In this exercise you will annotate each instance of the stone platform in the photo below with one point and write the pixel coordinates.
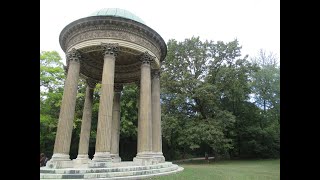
(120, 170)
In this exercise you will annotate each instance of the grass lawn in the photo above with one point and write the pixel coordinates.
(228, 170)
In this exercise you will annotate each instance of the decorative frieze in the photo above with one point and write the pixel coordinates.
(126, 36)
(105, 27)
(90, 49)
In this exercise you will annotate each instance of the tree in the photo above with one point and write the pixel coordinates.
(206, 102)
(230, 75)
(266, 84)
(51, 90)
(129, 122)
(51, 71)
(265, 139)
(196, 77)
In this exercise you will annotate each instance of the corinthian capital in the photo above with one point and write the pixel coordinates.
(118, 87)
(91, 83)
(155, 74)
(146, 58)
(73, 55)
(110, 48)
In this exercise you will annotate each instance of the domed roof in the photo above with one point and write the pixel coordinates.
(117, 13)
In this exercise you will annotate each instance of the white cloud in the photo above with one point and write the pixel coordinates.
(255, 23)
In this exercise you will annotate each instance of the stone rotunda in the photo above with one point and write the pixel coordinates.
(113, 47)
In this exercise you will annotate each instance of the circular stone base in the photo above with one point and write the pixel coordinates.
(121, 170)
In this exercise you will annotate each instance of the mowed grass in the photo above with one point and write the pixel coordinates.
(228, 170)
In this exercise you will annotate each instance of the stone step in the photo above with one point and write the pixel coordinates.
(134, 177)
(103, 170)
(130, 173)
(108, 175)
(113, 173)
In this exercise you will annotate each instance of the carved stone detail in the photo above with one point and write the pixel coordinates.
(127, 70)
(100, 48)
(127, 36)
(110, 48)
(73, 55)
(155, 74)
(118, 87)
(91, 83)
(146, 58)
(104, 27)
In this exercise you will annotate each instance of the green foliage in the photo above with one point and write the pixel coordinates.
(129, 112)
(195, 76)
(207, 93)
(266, 94)
(51, 71)
(206, 90)
(266, 84)
(51, 90)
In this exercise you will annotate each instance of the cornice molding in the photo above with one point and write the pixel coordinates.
(96, 27)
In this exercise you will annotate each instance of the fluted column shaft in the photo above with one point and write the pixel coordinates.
(145, 121)
(156, 114)
(103, 138)
(86, 123)
(156, 118)
(66, 116)
(138, 105)
(115, 132)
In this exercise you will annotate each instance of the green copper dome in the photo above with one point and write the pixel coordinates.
(118, 13)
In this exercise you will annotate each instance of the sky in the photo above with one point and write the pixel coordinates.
(255, 23)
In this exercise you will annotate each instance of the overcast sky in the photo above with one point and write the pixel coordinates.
(255, 23)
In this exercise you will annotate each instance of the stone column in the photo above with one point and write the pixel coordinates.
(156, 118)
(103, 139)
(115, 131)
(145, 155)
(83, 156)
(60, 157)
(138, 107)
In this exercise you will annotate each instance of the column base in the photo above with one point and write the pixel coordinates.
(144, 158)
(82, 159)
(102, 157)
(100, 160)
(59, 161)
(158, 157)
(115, 158)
